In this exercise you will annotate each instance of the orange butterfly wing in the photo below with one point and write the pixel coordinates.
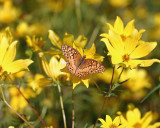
(89, 66)
(72, 56)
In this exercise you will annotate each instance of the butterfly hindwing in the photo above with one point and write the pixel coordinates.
(89, 66)
(72, 56)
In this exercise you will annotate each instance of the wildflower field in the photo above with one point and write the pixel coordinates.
(79, 64)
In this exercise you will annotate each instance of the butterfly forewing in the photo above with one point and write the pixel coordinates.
(89, 66)
(72, 56)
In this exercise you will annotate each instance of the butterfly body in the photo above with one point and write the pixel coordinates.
(78, 65)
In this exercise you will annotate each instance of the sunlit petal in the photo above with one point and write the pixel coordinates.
(10, 54)
(17, 65)
(129, 28)
(118, 26)
(143, 49)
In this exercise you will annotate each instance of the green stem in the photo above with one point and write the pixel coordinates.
(110, 85)
(62, 107)
(3, 97)
(73, 112)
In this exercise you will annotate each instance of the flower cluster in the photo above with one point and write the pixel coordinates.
(126, 47)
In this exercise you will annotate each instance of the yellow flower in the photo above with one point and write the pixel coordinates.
(90, 53)
(108, 123)
(35, 43)
(127, 50)
(53, 68)
(124, 32)
(17, 100)
(8, 13)
(134, 119)
(119, 3)
(7, 55)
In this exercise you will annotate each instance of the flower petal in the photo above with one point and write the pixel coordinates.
(143, 49)
(55, 40)
(116, 42)
(116, 121)
(81, 41)
(142, 63)
(147, 119)
(130, 45)
(129, 28)
(75, 83)
(115, 55)
(54, 67)
(17, 65)
(68, 39)
(3, 47)
(118, 26)
(46, 67)
(86, 82)
(90, 52)
(10, 54)
(108, 120)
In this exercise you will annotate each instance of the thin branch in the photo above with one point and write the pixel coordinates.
(100, 112)
(73, 112)
(62, 107)
(18, 88)
(3, 97)
(98, 87)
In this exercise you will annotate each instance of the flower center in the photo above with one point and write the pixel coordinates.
(137, 125)
(113, 126)
(123, 37)
(126, 57)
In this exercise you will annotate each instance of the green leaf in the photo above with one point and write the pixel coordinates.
(152, 91)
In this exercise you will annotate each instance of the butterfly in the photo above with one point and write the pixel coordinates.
(78, 65)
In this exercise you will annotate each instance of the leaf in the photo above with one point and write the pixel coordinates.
(152, 91)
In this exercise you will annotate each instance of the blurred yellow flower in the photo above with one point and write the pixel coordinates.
(94, 1)
(125, 48)
(7, 55)
(53, 68)
(57, 5)
(134, 119)
(17, 100)
(157, 19)
(68, 39)
(138, 79)
(35, 43)
(8, 13)
(11, 127)
(141, 12)
(23, 29)
(119, 3)
(108, 123)
(37, 82)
